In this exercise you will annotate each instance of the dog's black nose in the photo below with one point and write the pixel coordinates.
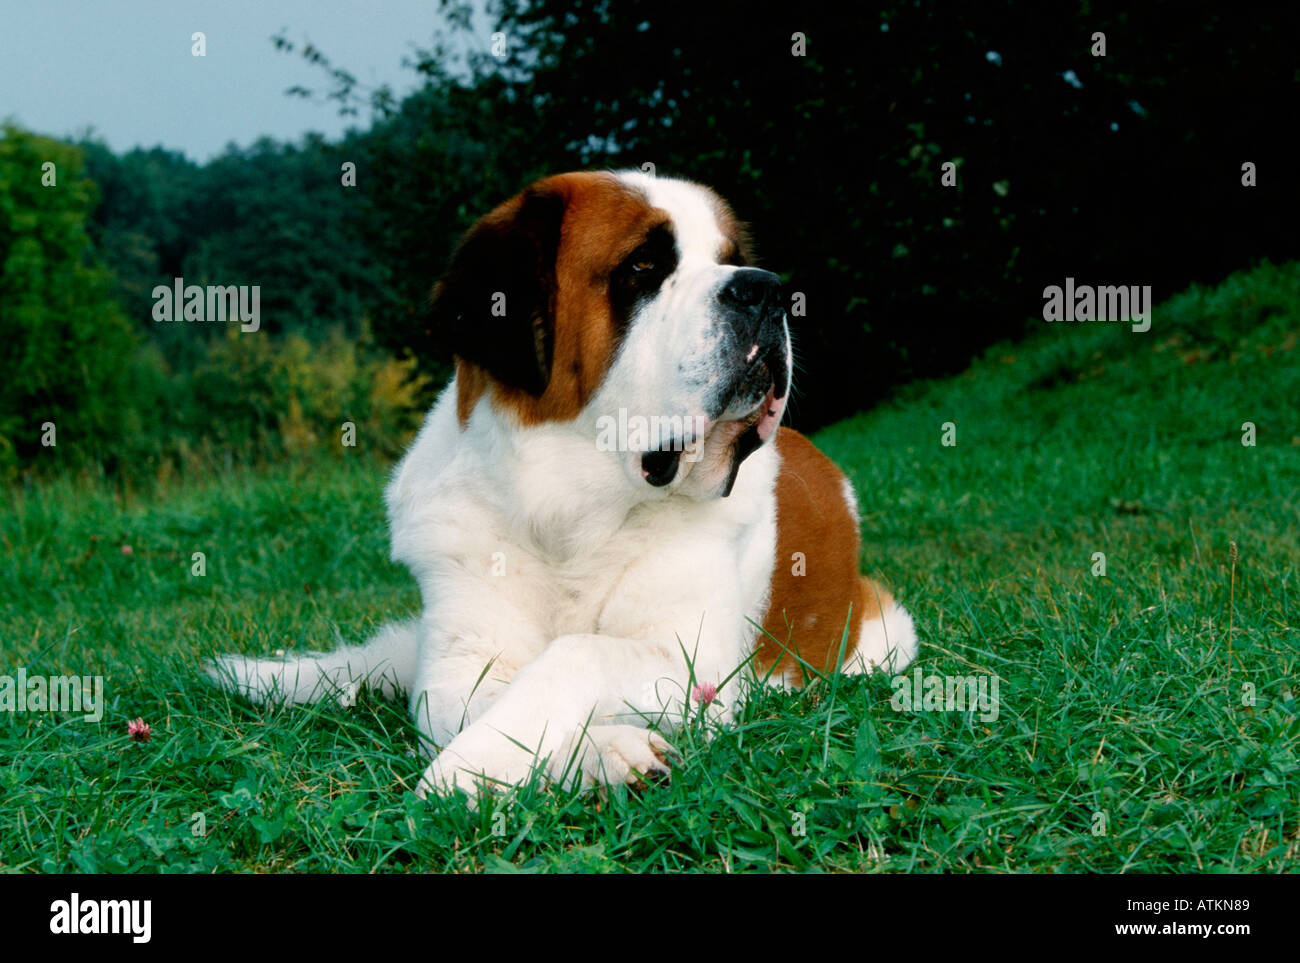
(750, 288)
(660, 467)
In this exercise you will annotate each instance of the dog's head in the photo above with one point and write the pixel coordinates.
(623, 304)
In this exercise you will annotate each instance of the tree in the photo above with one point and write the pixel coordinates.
(69, 351)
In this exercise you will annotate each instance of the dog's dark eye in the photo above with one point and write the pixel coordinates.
(644, 260)
(641, 273)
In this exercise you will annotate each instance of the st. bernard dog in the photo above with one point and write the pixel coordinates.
(601, 509)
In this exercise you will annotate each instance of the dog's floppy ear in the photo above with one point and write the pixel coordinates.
(495, 307)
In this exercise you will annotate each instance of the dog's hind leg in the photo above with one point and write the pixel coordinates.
(887, 639)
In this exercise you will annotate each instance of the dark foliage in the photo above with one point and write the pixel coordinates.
(1116, 169)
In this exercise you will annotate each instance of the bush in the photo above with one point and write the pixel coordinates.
(260, 397)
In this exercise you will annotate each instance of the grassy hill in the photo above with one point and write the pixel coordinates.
(1126, 738)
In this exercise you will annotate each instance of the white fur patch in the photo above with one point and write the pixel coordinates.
(851, 499)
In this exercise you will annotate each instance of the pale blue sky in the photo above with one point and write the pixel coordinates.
(124, 67)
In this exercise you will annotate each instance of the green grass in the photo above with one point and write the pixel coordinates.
(1117, 694)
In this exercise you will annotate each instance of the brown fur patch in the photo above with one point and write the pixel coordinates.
(604, 221)
(807, 612)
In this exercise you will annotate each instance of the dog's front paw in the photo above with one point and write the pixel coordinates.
(476, 761)
(443, 777)
(450, 772)
(614, 755)
(480, 760)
